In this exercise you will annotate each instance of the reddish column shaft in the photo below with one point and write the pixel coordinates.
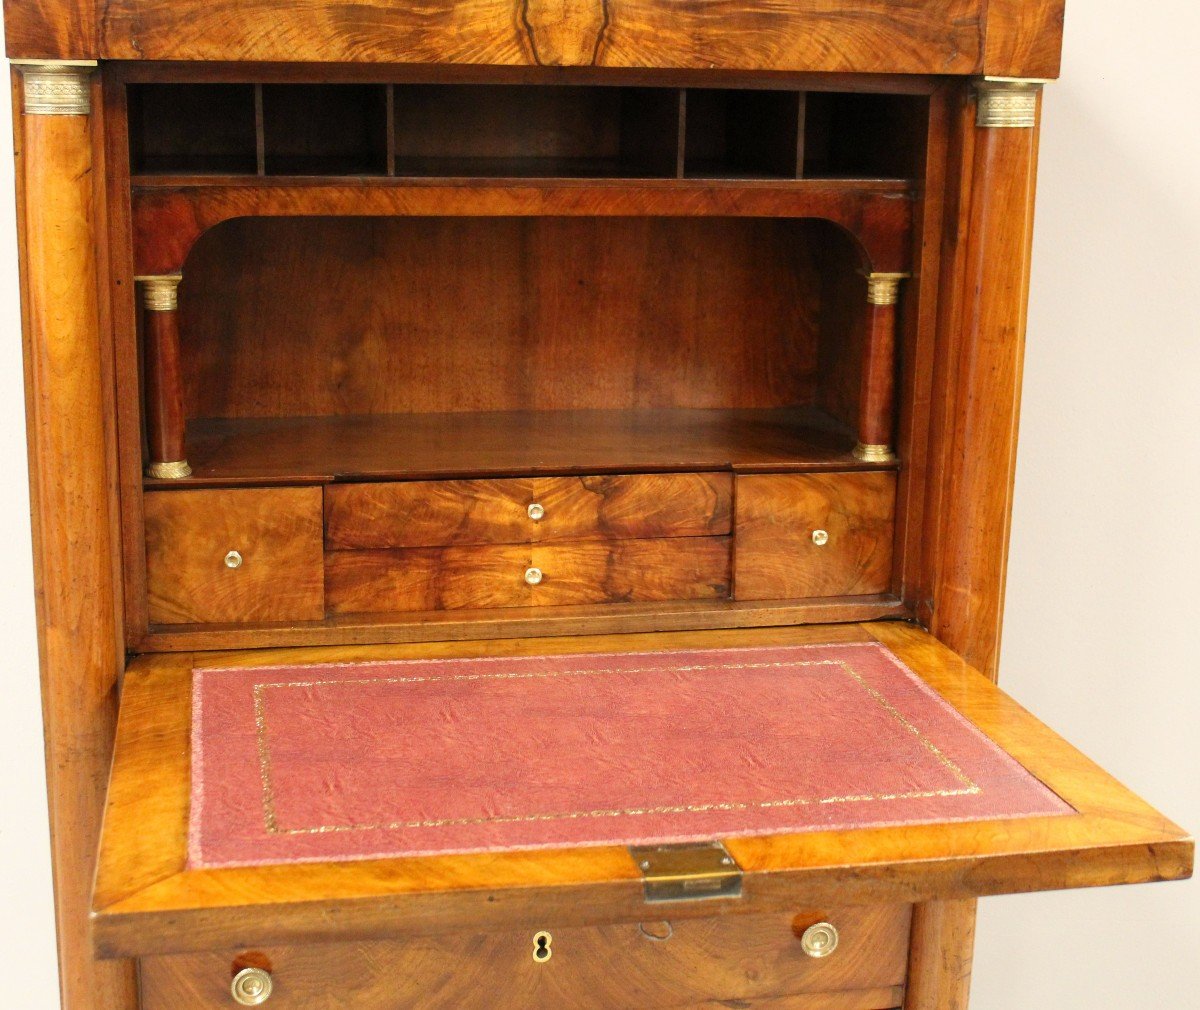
(164, 387)
(877, 394)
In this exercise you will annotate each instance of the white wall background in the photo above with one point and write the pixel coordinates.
(1103, 627)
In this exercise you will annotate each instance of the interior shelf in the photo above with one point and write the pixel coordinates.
(228, 451)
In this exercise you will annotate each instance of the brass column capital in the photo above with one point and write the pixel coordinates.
(160, 292)
(883, 289)
(1007, 102)
(57, 87)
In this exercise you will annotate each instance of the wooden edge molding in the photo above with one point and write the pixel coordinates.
(168, 221)
(527, 622)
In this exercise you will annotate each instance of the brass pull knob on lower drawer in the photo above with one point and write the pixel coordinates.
(819, 940)
(251, 987)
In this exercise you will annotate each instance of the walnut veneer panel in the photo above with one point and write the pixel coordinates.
(934, 36)
(440, 513)
(777, 556)
(317, 317)
(277, 534)
(621, 967)
(453, 578)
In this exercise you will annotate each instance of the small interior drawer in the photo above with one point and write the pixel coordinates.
(234, 556)
(631, 966)
(526, 510)
(453, 578)
(826, 534)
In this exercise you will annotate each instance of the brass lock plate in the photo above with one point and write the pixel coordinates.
(692, 871)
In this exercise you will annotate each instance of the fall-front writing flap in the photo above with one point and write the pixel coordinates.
(326, 793)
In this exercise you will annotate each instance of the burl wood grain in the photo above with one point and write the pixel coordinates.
(870, 36)
(454, 578)
(148, 902)
(622, 967)
(277, 533)
(73, 511)
(461, 512)
(776, 557)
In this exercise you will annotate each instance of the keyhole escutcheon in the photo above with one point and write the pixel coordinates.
(541, 947)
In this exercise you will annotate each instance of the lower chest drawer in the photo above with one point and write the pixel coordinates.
(751, 961)
(451, 578)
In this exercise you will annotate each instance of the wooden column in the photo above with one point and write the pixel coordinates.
(939, 964)
(982, 347)
(877, 393)
(165, 421)
(73, 500)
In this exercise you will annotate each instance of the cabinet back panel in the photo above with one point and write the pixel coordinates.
(320, 316)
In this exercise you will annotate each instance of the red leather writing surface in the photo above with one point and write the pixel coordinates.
(358, 761)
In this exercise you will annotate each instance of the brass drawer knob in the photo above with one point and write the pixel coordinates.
(536, 512)
(533, 576)
(233, 559)
(820, 939)
(820, 538)
(251, 987)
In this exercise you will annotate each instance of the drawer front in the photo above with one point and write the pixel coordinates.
(454, 578)
(801, 535)
(234, 556)
(688, 963)
(526, 510)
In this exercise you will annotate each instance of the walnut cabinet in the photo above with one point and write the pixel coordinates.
(361, 332)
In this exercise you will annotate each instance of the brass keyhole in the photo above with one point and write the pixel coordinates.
(541, 947)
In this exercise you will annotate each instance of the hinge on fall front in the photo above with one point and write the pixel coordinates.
(688, 872)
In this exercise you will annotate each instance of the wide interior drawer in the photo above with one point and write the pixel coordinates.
(469, 787)
(527, 510)
(629, 966)
(452, 578)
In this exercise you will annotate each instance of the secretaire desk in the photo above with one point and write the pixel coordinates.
(520, 500)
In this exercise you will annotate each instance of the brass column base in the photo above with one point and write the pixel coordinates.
(176, 470)
(874, 453)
